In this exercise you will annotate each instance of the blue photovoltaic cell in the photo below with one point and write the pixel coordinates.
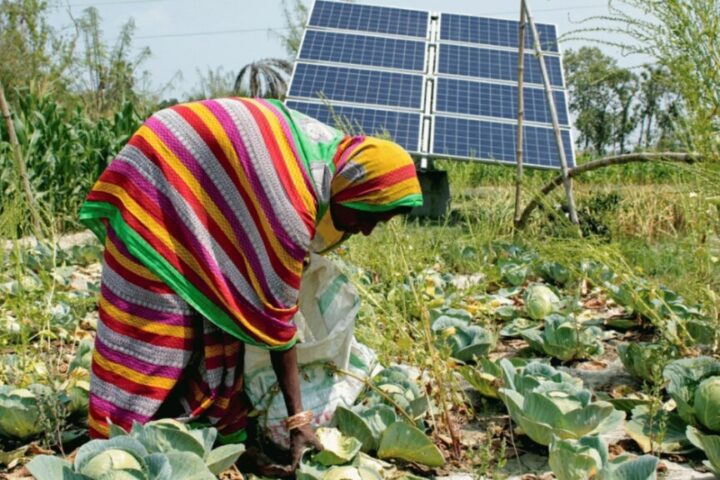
(403, 127)
(371, 60)
(367, 18)
(493, 31)
(489, 141)
(494, 64)
(363, 50)
(357, 85)
(496, 100)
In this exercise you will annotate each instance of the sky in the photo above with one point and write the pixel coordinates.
(185, 36)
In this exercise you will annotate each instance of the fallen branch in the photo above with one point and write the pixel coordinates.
(600, 163)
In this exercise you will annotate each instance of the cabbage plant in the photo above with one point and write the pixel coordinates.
(77, 385)
(341, 460)
(553, 272)
(565, 339)
(77, 391)
(658, 431)
(679, 323)
(365, 424)
(395, 383)
(694, 384)
(645, 361)
(545, 403)
(22, 411)
(513, 272)
(710, 444)
(379, 428)
(337, 448)
(160, 450)
(588, 458)
(466, 342)
(486, 376)
(540, 301)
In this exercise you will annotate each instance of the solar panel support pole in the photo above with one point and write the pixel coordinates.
(521, 115)
(567, 182)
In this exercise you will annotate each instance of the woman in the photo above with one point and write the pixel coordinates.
(207, 215)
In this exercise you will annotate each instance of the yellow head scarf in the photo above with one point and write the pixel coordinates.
(372, 175)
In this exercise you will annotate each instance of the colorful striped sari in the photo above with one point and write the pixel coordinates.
(154, 354)
(207, 215)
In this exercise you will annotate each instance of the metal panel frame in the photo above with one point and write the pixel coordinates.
(365, 68)
(458, 42)
(312, 8)
(363, 34)
(437, 73)
(493, 161)
(493, 82)
(432, 75)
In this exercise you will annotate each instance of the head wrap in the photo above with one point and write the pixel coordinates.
(371, 175)
(375, 175)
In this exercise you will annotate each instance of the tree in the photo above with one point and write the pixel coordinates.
(30, 50)
(586, 71)
(624, 84)
(108, 76)
(658, 105)
(264, 78)
(602, 96)
(680, 36)
(296, 17)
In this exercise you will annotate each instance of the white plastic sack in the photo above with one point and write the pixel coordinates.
(328, 306)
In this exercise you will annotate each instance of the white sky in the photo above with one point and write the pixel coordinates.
(187, 35)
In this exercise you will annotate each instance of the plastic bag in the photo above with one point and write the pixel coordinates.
(328, 306)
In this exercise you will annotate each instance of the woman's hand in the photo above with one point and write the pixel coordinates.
(285, 365)
(300, 439)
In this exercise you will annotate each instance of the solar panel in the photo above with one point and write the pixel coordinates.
(495, 64)
(367, 18)
(441, 85)
(355, 85)
(496, 100)
(364, 50)
(480, 139)
(493, 31)
(405, 126)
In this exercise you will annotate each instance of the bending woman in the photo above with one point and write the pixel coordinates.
(207, 215)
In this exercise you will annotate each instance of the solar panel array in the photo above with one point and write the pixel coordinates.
(442, 86)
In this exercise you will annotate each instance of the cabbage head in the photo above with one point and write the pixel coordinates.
(110, 460)
(563, 339)
(645, 361)
(588, 458)
(20, 411)
(540, 301)
(685, 378)
(707, 403)
(545, 408)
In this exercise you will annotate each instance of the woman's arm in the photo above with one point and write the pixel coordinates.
(286, 369)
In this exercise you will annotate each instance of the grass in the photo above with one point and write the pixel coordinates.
(665, 232)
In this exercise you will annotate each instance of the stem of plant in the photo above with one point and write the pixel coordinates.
(436, 361)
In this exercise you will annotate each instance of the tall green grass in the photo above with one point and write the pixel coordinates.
(65, 151)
